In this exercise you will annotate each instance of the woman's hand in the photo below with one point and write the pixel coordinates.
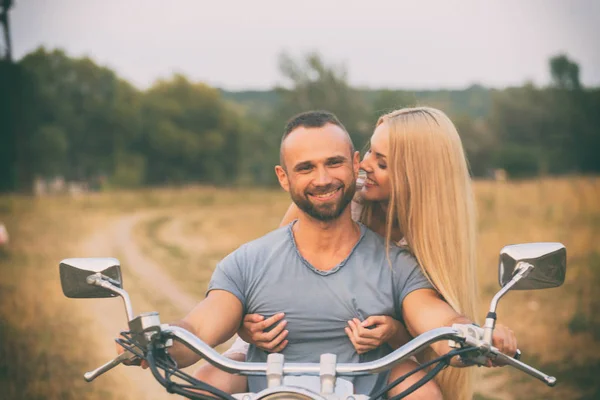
(253, 330)
(503, 339)
(375, 331)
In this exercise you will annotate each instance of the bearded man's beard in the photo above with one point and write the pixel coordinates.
(324, 211)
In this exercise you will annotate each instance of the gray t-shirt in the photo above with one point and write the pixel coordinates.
(269, 275)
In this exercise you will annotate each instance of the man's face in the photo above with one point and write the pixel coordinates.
(320, 171)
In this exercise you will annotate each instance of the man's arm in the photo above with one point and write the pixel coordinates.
(214, 320)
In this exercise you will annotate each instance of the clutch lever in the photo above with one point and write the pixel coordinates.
(126, 357)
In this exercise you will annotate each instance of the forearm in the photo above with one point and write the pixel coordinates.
(181, 353)
(442, 347)
(400, 338)
(214, 320)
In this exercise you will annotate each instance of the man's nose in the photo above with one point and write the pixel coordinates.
(323, 177)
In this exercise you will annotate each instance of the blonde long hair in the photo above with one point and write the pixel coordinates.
(431, 203)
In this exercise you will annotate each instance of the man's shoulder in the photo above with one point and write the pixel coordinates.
(265, 243)
(397, 254)
(375, 240)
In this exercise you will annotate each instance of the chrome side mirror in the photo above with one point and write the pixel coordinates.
(75, 277)
(523, 267)
(92, 278)
(548, 263)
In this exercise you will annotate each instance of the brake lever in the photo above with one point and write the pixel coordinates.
(126, 357)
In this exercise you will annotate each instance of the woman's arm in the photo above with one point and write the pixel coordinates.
(291, 214)
(375, 331)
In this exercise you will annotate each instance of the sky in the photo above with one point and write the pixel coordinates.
(425, 44)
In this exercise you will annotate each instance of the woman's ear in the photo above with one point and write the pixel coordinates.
(282, 178)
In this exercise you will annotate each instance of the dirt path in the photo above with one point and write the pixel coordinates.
(173, 233)
(148, 275)
(149, 286)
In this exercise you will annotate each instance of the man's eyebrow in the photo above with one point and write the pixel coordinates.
(337, 159)
(328, 160)
(302, 165)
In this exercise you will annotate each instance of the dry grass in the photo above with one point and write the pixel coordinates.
(41, 330)
(189, 230)
(191, 240)
(558, 329)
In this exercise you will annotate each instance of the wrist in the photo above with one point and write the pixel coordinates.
(397, 337)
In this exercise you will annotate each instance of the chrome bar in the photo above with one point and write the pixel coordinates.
(348, 369)
(523, 270)
(192, 342)
(98, 280)
(125, 296)
(396, 357)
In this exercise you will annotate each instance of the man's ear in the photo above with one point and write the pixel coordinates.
(282, 178)
(356, 162)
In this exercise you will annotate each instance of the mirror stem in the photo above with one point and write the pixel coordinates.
(521, 271)
(99, 280)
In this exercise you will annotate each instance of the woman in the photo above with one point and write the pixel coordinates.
(417, 193)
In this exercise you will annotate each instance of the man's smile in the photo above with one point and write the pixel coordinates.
(326, 196)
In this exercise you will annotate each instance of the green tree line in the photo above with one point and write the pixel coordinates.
(65, 116)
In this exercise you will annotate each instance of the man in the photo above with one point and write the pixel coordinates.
(322, 271)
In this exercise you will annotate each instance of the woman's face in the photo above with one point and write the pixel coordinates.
(375, 164)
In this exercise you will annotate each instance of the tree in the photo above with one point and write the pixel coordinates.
(575, 114)
(478, 143)
(90, 107)
(565, 73)
(387, 100)
(314, 85)
(189, 134)
(520, 120)
(555, 128)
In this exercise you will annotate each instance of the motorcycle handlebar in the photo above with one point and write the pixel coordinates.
(344, 369)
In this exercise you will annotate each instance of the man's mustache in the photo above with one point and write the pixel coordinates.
(324, 189)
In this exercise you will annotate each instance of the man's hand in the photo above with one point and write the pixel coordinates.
(136, 361)
(254, 330)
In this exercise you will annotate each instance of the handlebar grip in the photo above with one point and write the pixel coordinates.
(91, 375)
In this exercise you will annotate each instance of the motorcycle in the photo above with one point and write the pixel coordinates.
(521, 267)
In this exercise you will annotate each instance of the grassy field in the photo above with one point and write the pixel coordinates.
(186, 231)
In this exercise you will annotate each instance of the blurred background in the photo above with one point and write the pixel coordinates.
(148, 131)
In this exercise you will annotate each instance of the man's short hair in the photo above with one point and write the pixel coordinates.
(311, 119)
